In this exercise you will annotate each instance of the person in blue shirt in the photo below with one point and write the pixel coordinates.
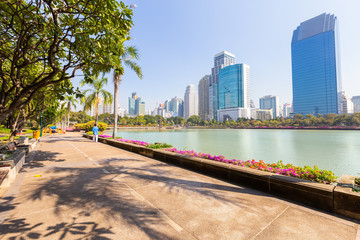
(95, 133)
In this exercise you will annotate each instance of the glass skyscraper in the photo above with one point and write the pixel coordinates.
(234, 87)
(316, 74)
(221, 60)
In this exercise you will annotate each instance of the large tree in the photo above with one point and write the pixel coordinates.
(127, 57)
(96, 94)
(70, 100)
(45, 42)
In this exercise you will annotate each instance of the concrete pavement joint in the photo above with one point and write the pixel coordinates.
(267, 225)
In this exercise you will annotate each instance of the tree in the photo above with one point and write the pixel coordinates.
(70, 100)
(95, 94)
(194, 119)
(43, 43)
(126, 56)
(80, 117)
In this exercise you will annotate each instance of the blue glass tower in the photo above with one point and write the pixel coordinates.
(316, 67)
(234, 88)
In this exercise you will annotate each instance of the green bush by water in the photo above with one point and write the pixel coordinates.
(159, 145)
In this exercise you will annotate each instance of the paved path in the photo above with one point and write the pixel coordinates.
(76, 189)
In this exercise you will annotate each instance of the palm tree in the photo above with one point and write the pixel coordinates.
(70, 100)
(96, 93)
(126, 58)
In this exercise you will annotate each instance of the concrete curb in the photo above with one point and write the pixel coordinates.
(330, 198)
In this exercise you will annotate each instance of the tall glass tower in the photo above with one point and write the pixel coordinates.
(316, 74)
(234, 87)
(221, 60)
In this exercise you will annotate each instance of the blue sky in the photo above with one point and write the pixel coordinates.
(178, 39)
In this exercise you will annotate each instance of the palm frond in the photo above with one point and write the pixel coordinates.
(135, 67)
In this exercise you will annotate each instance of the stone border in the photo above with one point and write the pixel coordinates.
(13, 164)
(330, 198)
(15, 161)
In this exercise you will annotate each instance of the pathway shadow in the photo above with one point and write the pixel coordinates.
(21, 229)
(38, 158)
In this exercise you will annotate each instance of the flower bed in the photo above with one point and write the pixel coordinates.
(307, 173)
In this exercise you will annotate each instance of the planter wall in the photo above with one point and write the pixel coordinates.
(12, 164)
(322, 196)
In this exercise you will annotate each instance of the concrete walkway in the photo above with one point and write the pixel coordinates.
(76, 189)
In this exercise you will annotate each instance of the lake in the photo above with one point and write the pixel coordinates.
(338, 151)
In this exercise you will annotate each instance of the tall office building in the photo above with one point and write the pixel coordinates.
(131, 106)
(271, 102)
(316, 74)
(287, 110)
(221, 60)
(136, 106)
(190, 101)
(234, 92)
(203, 90)
(176, 106)
(347, 106)
(356, 102)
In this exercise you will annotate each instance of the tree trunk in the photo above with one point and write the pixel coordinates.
(117, 80)
(96, 109)
(68, 116)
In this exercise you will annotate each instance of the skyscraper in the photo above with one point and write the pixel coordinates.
(234, 92)
(221, 60)
(270, 102)
(316, 74)
(136, 106)
(203, 90)
(356, 102)
(190, 101)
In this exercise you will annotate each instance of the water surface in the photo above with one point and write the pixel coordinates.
(338, 151)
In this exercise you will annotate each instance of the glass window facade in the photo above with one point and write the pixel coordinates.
(315, 67)
(231, 87)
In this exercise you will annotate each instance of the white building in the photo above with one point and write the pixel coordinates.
(347, 106)
(233, 113)
(261, 114)
(287, 109)
(271, 102)
(356, 102)
(190, 102)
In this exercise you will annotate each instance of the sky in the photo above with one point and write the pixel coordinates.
(177, 41)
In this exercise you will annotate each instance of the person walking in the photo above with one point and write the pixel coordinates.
(95, 133)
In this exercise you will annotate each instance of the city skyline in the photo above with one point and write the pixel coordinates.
(263, 48)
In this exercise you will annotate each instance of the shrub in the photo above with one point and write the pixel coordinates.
(159, 145)
(80, 126)
(89, 126)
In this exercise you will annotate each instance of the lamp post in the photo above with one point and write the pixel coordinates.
(41, 125)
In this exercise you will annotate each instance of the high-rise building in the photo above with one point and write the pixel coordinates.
(356, 102)
(287, 110)
(347, 106)
(203, 89)
(252, 104)
(221, 60)
(176, 106)
(270, 102)
(234, 91)
(190, 101)
(131, 106)
(316, 74)
(136, 106)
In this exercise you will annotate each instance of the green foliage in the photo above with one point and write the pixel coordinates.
(89, 133)
(80, 126)
(106, 118)
(194, 119)
(89, 126)
(44, 43)
(80, 117)
(159, 145)
(4, 130)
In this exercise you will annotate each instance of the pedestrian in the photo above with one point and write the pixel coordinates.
(53, 130)
(95, 133)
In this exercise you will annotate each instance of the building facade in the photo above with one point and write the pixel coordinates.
(270, 102)
(347, 106)
(221, 60)
(203, 93)
(287, 110)
(234, 88)
(190, 102)
(316, 74)
(356, 101)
